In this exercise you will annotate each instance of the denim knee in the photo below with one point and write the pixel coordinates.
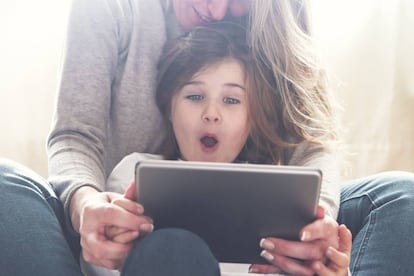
(388, 193)
(171, 252)
(30, 213)
(381, 188)
(12, 172)
(378, 210)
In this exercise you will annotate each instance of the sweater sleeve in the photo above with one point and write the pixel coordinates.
(77, 143)
(324, 158)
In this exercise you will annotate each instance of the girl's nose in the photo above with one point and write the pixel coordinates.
(211, 118)
(211, 114)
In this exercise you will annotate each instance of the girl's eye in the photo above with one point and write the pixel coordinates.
(195, 97)
(231, 101)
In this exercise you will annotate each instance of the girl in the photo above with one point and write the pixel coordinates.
(213, 112)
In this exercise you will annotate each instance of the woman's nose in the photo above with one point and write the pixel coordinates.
(218, 8)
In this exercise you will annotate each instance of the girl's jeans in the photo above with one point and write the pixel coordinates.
(379, 210)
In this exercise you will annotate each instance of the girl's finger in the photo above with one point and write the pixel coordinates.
(341, 258)
(126, 237)
(320, 213)
(323, 270)
(337, 259)
(130, 192)
(129, 205)
(264, 269)
(112, 231)
(345, 239)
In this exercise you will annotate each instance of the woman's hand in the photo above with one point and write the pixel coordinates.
(91, 213)
(297, 257)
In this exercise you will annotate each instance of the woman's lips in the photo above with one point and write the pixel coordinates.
(202, 19)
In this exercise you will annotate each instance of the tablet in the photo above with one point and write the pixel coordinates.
(231, 206)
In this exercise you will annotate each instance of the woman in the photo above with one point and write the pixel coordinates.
(106, 110)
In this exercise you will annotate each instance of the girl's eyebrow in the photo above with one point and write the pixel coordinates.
(235, 85)
(230, 84)
(194, 83)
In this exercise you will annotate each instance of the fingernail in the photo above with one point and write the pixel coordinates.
(146, 227)
(253, 270)
(305, 236)
(266, 244)
(266, 255)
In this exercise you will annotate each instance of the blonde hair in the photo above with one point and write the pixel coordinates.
(291, 84)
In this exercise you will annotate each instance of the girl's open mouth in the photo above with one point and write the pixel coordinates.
(208, 141)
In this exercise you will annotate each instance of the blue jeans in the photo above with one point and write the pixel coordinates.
(378, 209)
(171, 252)
(33, 242)
(31, 237)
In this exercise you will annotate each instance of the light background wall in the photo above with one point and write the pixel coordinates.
(31, 36)
(367, 46)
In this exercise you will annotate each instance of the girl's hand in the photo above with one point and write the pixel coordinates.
(338, 260)
(124, 235)
(92, 212)
(297, 257)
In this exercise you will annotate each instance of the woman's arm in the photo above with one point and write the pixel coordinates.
(77, 143)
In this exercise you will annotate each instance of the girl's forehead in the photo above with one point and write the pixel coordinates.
(212, 66)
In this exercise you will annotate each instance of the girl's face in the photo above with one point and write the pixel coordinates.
(209, 114)
(191, 13)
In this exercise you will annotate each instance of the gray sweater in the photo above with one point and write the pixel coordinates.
(106, 107)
